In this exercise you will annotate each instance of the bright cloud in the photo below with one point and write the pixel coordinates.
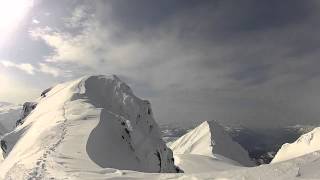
(49, 70)
(13, 90)
(28, 68)
(34, 21)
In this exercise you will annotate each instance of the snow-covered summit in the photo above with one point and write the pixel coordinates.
(307, 143)
(210, 139)
(82, 126)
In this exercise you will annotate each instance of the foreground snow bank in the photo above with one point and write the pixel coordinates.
(194, 163)
(210, 139)
(85, 125)
(307, 143)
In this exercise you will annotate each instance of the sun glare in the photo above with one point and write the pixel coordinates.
(11, 14)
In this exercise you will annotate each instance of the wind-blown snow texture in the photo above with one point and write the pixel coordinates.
(210, 139)
(85, 125)
(307, 143)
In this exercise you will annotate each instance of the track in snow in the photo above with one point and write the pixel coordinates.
(40, 169)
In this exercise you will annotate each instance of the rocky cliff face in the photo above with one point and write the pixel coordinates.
(27, 108)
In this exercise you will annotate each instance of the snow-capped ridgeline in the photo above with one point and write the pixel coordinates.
(211, 140)
(83, 126)
(9, 114)
(96, 128)
(307, 143)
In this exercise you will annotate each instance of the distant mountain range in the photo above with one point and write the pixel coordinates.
(95, 127)
(261, 144)
(9, 114)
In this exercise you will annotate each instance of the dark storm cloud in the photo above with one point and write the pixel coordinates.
(246, 62)
(223, 16)
(255, 74)
(256, 33)
(251, 15)
(143, 13)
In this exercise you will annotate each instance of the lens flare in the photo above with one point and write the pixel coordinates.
(12, 12)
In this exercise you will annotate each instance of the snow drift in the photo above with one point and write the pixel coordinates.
(307, 143)
(82, 126)
(210, 139)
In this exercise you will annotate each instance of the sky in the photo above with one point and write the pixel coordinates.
(250, 63)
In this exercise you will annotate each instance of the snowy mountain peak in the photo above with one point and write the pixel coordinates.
(210, 139)
(96, 128)
(86, 125)
(306, 144)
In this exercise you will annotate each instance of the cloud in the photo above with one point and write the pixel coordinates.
(28, 68)
(71, 48)
(44, 68)
(14, 90)
(35, 21)
(78, 17)
(243, 62)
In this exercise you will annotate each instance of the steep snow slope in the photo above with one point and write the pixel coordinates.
(307, 143)
(210, 139)
(83, 126)
(9, 114)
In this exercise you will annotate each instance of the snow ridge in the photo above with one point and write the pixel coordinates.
(307, 143)
(210, 139)
(83, 126)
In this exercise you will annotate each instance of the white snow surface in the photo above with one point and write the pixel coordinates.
(194, 163)
(9, 114)
(86, 125)
(76, 130)
(211, 140)
(307, 143)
